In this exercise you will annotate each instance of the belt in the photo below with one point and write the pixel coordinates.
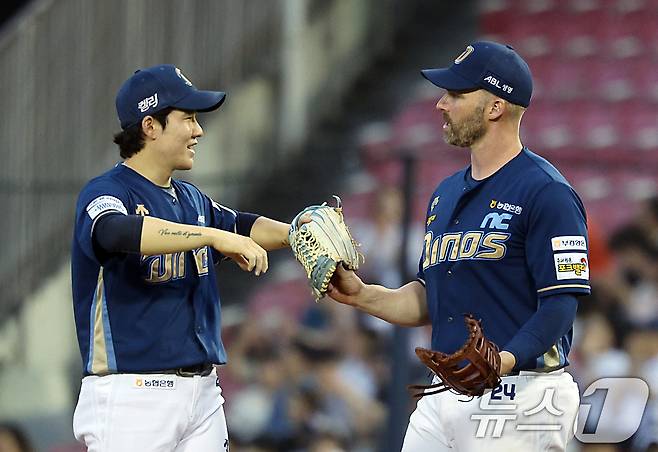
(535, 372)
(201, 370)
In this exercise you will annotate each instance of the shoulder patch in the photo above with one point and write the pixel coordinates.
(569, 242)
(103, 204)
(571, 266)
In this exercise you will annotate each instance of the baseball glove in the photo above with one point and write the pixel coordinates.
(471, 370)
(322, 243)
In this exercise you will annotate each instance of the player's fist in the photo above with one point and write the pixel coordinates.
(345, 286)
(249, 255)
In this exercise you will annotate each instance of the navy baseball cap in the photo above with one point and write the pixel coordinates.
(156, 88)
(494, 67)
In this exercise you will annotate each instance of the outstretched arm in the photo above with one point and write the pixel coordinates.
(149, 235)
(405, 306)
(270, 234)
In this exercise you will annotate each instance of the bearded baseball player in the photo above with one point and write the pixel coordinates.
(146, 304)
(505, 241)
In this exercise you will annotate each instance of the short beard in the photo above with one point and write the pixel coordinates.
(468, 131)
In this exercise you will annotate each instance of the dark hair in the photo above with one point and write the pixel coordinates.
(131, 140)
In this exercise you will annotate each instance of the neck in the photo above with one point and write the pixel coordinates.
(493, 151)
(150, 168)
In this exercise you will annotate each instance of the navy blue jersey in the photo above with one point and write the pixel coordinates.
(136, 313)
(495, 247)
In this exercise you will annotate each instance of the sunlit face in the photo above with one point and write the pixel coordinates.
(463, 114)
(176, 142)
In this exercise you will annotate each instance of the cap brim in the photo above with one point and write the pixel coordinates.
(201, 101)
(447, 79)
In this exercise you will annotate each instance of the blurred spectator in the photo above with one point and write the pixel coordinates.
(380, 240)
(637, 287)
(648, 219)
(326, 443)
(14, 439)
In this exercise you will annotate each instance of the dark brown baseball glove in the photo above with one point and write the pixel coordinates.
(471, 370)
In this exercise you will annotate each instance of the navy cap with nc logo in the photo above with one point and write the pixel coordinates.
(155, 88)
(488, 65)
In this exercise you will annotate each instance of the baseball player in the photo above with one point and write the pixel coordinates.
(505, 240)
(146, 305)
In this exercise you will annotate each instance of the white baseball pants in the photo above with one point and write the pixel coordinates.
(154, 412)
(528, 412)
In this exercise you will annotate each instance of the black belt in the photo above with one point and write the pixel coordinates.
(201, 370)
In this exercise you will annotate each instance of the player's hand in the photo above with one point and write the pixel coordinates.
(306, 218)
(249, 255)
(507, 362)
(345, 286)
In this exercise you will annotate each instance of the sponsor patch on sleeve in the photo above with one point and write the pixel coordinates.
(571, 266)
(105, 203)
(569, 242)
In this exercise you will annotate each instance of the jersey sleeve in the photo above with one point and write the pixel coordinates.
(557, 243)
(222, 217)
(98, 198)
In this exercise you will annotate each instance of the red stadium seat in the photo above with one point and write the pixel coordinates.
(559, 79)
(611, 81)
(546, 127)
(639, 123)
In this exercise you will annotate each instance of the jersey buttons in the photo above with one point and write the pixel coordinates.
(449, 272)
(456, 221)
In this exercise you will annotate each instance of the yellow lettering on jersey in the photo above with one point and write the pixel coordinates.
(430, 219)
(435, 251)
(165, 267)
(469, 244)
(141, 210)
(201, 259)
(456, 246)
(496, 250)
(493, 204)
(179, 270)
(552, 357)
(451, 241)
(428, 245)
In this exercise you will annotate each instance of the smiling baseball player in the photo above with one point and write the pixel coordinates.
(506, 241)
(146, 305)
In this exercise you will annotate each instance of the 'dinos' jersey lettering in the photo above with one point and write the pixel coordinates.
(495, 247)
(137, 313)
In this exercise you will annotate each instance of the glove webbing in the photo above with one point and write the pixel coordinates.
(479, 374)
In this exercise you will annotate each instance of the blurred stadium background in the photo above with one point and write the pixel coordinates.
(324, 97)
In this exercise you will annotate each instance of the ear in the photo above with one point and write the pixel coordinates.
(150, 127)
(496, 108)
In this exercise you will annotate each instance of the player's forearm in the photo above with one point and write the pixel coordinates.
(554, 317)
(162, 236)
(270, 234)
(405, 306)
